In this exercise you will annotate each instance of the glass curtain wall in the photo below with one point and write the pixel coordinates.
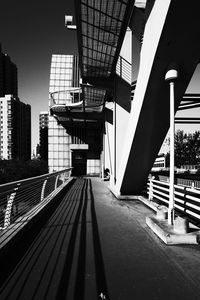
(62, 77)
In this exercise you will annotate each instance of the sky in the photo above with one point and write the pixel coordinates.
(30, 32)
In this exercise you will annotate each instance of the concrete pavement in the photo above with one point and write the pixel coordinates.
(96, 247)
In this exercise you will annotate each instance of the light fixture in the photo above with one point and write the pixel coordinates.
(68, 23)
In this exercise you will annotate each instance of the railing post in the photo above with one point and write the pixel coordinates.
(9, 207)
(120, 66)
(43, 189)
(56, 182)
(150, 190)
(193, 185)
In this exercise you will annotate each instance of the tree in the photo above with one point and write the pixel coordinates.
(187, 148)
(194, 148)
(180, 142)
(12, 170)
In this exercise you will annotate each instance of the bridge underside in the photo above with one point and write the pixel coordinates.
(168, 38)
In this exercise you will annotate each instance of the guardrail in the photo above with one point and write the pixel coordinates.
(187, 200)
(21, 197)
(123, 69)
(189, 182)
(182, 181)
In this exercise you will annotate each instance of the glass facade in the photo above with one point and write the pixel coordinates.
(64, 74)
(71, 142)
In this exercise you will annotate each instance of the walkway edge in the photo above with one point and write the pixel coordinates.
(15, 232)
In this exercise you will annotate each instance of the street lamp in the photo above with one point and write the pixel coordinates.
(171, 76)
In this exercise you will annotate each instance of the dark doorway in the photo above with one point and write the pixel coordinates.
(79, 159)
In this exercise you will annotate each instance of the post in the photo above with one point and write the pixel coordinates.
(43, 189)
(103, 156)
(9, 206)
(171, 172)
(150, 190)
(170, 76)
(56, 182)
(115, 142)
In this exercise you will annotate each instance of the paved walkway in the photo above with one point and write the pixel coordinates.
(95, 247)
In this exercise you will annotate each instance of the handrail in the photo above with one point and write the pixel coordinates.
(182, 181)
(187, 199)
(123, 69)
(19, 197)
(69, 93)
(189, 182)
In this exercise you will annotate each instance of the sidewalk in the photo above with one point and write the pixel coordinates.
(96, 247)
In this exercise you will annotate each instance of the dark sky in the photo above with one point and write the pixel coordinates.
(30, 32)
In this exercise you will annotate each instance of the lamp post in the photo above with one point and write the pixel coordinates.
(171, 76)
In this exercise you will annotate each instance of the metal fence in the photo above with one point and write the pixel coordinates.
(22, 197)
(189, 183)
(123, 69)
(187, 200)
(182, 181)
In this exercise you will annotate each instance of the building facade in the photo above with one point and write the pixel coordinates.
(43, 128)
(15, 135)
(36, 152)
(8, 76)
(73, 140)
(15, 116)
(63, 76)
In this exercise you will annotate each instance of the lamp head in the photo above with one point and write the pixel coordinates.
(171, 75)
(172, 72)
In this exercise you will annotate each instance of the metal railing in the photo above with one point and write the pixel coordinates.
(187, 200)
(182, 181)
(133, 87)
(123, 69)
(69, 96)
(189, 183)
(20, 198)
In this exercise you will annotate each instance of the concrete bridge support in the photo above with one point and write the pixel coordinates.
(168, 37)
(116, 121)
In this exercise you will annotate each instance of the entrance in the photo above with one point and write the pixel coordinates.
(79, 160)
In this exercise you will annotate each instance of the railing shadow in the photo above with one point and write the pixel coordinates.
(86, 203)
(59, 252)
(99, 262)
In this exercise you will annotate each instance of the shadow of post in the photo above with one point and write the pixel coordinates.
(102, 290)
(64, 282)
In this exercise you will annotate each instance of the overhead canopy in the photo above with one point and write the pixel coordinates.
(101, 26)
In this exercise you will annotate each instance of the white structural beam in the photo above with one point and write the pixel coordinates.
(168, 38)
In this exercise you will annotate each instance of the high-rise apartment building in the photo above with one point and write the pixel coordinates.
(15, 116)
(8, 76)
(15, 134)
(43, 127)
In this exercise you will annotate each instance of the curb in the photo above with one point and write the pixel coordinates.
(166, 233)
